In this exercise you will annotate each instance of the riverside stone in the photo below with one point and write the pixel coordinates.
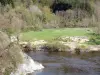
(79, 39)
(28, 66)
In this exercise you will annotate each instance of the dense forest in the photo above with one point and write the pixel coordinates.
(52, 14)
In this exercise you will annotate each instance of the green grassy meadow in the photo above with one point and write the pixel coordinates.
(49, 34)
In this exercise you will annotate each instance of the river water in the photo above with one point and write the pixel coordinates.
(64, 63)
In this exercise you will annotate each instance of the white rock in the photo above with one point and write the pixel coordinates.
(79, 39)
(39, 42)
(23, 43)
(28, 66)
(13, 38)
(94, 48)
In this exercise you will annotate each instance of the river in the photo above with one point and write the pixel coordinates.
(65, 63)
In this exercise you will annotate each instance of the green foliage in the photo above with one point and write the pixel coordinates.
(95, 39)
(32, 21)
(19, 18)
(4, 2)
(8, 71)
(22, 18)
(44, 2)
(83, 46)
(9, 31)
(55, 47)
(10, 55)
(77, 51)
(15, 3)
(49, 19)
(12, 59)
(14, 52)
(83, 4)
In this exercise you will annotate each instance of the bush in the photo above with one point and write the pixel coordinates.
(55, 47)
(95, 39)
(32, 20)
(64, 39)
(10, 20)
(20, 18)
(77, 51)
(10, 55)
(83, 46)
(44, 2)
(50, 20)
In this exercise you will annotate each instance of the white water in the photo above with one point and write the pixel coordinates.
(28, 66)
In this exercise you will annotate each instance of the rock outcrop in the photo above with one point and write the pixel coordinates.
(12, 60)
(28, 66)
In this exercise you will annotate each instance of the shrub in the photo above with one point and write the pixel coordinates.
(20, 18)
(10, 20)
(4, 41)
(10, 55)
(55, 47)
(94, 39)
(64, 39)
(74, 18)
(83, 46)
(77, 51)
(44, 2)
(28, 48)
(50, 20)
(13, 59)
(48, 15)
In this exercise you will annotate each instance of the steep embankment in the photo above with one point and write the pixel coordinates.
(12, 59)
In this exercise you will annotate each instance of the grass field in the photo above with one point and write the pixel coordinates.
(49, 34)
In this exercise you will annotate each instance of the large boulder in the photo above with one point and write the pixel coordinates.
(28, 66)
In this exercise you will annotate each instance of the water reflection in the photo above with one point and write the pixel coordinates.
(64, 63)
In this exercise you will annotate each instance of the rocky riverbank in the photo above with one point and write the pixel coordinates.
(28, 66)
(61, 44)
(13, 61)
